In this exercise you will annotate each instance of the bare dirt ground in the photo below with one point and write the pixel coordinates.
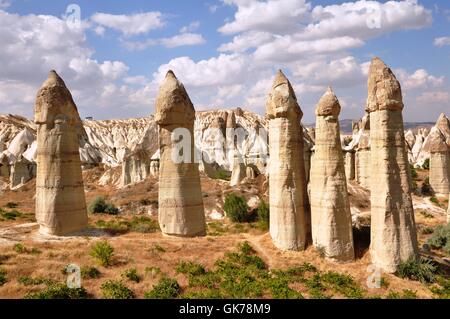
(47, 257)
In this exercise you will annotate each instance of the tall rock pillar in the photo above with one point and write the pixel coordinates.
(331, 220)
(181, 211)
(393, 229)
(289, 208)
(60, 199)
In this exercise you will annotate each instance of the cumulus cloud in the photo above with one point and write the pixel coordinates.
(182, 39)
(191, 27)
(419, 79)
(140, 23)
(443, 41)
(434, 97)
(5, 4)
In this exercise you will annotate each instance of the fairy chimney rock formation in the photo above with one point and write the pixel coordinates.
(289, 208)
(60, 199)
(181, 211)
(393, 229)
(439, 162)
(331, 220)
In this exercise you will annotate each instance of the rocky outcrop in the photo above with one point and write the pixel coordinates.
(331, 220)
(393, 230)
(289, 207)
(180, 211)
(440, 156)
(60, 200)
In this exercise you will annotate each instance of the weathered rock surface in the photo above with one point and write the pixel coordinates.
(181, 211)
(60, 200)
(393, 230)
(331, 220)
(289, 207)
(440, 156)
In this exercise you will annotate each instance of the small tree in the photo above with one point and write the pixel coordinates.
(236, 208)
(263, 215)
(100, 206)
(103, 252)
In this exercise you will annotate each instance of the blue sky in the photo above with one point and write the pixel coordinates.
(224, 51)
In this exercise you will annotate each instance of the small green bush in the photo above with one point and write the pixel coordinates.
(89, 272)
(29, 281)
(11, 215)
(112, 289)
(59, 291)
(236, 208)
(190, 268)
(426, 187)
(11, 205)
(440, 239)
(132, 274)
(414, 174)
(263, 215)
(406, 294)
(426, 164)
(100, 206)
(222, 174)
(422, 270)
(2, 276)
(442, 289)
(21, 249)
(167, 288)
(103, 252)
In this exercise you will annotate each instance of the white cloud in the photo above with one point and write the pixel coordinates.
(136, 80)
(434, 97)
(213, 8)
(419, 79)
(272, 15)
(5, 4)
(443, 41)
(99, 30)
(245, 41)
(182, 39)
(140, 23)
(191, 27)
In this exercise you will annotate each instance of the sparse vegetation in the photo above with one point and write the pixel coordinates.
(406, 294)
(103, 252)
(2, 276)
(167, 288)
(89, 272)
(113, 289)
(100, 206)
(11, 215)
(426, 214)
(426, 164)
(440, 239)
(263, 215)
(59, 291)
(222, 174)
(442, 289)
(132, 275)
(29, 281)
(139, 224)
(426, 187)
(190, 268)
(21, 249)
(11, 205)
(236, 208)
(423, 270)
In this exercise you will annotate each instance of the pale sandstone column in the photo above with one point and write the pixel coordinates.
(289, 207)
(448, 210)
(180, 210)
(439, 161)
(393, 229)
(349, 157)
(331, 220)
(60, 199)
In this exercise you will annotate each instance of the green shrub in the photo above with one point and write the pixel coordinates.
(414, 174)
(103, 252)
(112, 289)
(143, 224)
(167, 288)
(426, 187)
(422, 270)
(426, 164)
(29, 281)
(236, 208)
(442, 289)
(11, 205)
(2, 276)
(11, 215)
(89, 272)
(440, 239)
(263, 215)
(190, 268)
(21, 249)
(222, 174)
(406, 294)
(132, 274)
(59, 291)
(100, 206)
(343, 284)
